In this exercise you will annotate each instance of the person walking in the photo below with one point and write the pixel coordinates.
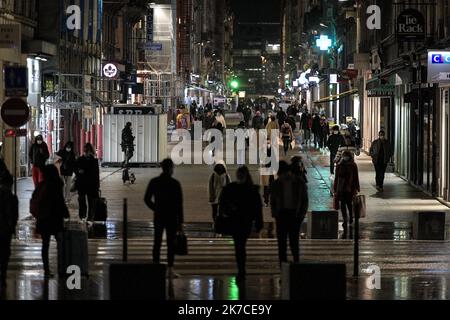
(38, 155)
(258, 122)
(164, 196)
(286, 135)
(346, 186)
(127, 144)
(208, 121)
(51, 211)
(305, 125)
(316, 129)
(324, 132)
(244, 198)
(289, 204)
(267, 175)
(67, 159)
(247, 114)
(272, 125)
(217, 181)
(381, 153)
(335, 140)
(87, 182)
(9, 214)
(221, 119)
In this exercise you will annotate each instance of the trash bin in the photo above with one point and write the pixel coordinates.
(323, 224)
(429, 226)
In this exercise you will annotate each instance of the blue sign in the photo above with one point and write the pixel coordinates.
(16, 81)
(153, 46)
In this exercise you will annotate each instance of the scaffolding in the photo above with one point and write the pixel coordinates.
(158, 71)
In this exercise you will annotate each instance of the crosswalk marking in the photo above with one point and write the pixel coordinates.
(216, 256)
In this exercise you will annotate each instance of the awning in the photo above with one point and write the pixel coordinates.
(200, 89)
(337, 96)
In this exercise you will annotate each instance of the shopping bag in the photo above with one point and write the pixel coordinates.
(359, 205)
(181, 245)
(293, 144)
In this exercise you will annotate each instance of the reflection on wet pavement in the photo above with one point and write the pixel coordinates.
(31, 286)
(143, 229)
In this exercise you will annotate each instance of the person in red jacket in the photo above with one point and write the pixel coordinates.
(346, 185)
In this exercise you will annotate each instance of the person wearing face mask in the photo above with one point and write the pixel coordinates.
(67, 160)
(88, 182)
(381, 153)
(38, 155)
(349, 145)
(334, 142)
(346, 186)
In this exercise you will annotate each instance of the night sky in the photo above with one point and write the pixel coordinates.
(257, 10)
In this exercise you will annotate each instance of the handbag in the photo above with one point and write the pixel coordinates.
(181, 245)
(359, 205)
(292, 144)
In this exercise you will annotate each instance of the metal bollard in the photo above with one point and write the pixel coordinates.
(125, 230)
(356, 246)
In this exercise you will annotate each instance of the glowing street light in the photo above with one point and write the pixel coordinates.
(324, 43)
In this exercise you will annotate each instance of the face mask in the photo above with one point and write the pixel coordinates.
(382, 137)
(346, 158)
(336, 132)
(68, 149)
(39, 142)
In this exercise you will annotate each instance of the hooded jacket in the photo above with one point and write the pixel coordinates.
(39, 153)
(68, 159)
(217, 182)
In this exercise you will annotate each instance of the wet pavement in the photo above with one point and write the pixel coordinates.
(113, 230)
(397, 204)
(409, 269)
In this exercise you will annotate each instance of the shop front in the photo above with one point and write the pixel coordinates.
(378, 111)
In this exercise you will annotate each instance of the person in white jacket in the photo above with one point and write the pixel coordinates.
(221, 119)
(217, 181)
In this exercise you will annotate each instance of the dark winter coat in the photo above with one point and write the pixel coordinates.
(208, 122)
(39, 154)
(304, 121)
(68, 160)
(165, 197)
(248, 207)
(347, 178)
(257, 123)
(127, 139)
(289, 192)
(376, 148)
(334, 142)
(87, 174)
(316, 125)
(9, 212)
(51, 208)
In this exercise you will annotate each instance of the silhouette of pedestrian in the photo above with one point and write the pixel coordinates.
(164, 197)
(9, 213)
(243, 196)
(289, 204)
(51, 211)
